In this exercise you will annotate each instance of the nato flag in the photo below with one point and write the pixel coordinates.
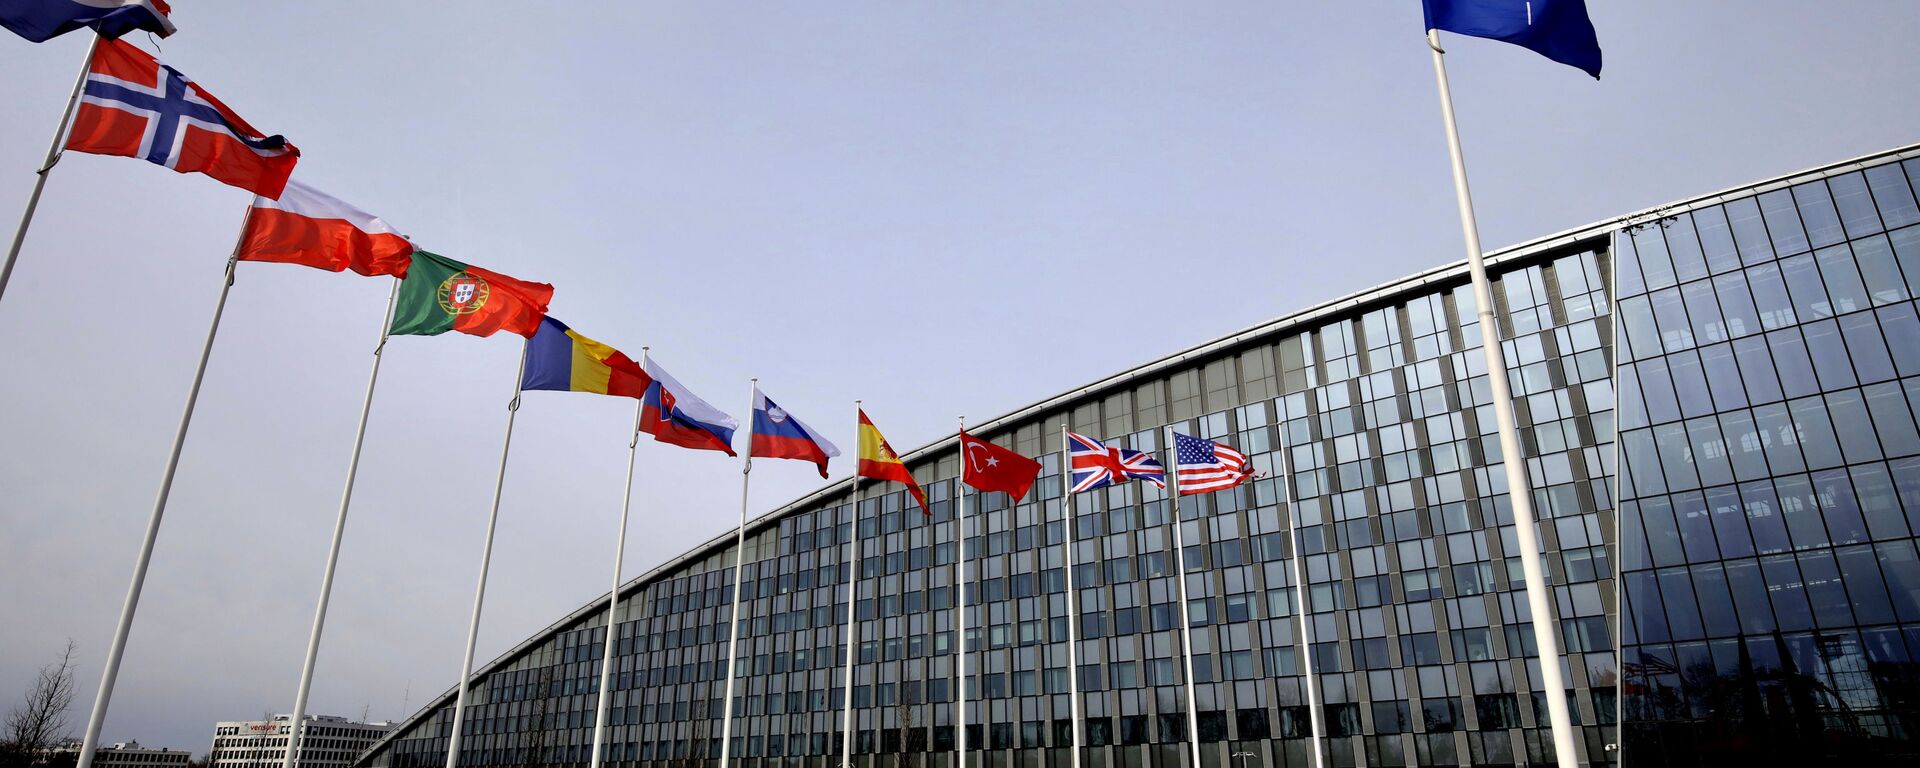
(1556, 29)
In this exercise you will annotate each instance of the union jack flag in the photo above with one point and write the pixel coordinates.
(1097, 466)
(1204, 465)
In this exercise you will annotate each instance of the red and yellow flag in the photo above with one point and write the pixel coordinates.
(878, 461)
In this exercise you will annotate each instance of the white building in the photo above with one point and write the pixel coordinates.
(330, 742)
(125, 754)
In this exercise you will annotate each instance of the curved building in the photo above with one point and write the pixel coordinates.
(1409, 613)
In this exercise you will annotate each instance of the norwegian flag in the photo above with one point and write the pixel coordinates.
(1097, 466)
(1204, 466)
(135, 106)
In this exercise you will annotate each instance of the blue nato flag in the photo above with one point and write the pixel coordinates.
(1556, 29)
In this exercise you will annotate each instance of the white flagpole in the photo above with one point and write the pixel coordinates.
(98, 716)
(1180, 574)
(1519, 491)
(613, 597)
(960, 583)
(739, 564)
(294, 729)
(853, 597)
(1315, 718)
(486, 559)
(1073, 615)
(40, 183)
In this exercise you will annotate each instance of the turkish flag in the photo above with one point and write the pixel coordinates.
(989, 467)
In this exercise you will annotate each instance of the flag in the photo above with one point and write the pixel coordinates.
(311, 228)
(878, 461)
(1556, 29)
(989, 467)
(1203, 466)
(676, 417)
(440, 295)
(778, 435)
(562, 359)
(135, 106)
(42, 20)
(1097, 466)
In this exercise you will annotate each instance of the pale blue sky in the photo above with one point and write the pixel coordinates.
(941, 209)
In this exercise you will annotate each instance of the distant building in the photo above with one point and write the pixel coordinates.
(125, 754)
(331, 742)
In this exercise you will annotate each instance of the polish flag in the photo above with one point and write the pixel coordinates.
(309, 227)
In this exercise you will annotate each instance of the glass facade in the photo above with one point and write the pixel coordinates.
(1769, 377)
(1421, 640)
(1752, 596)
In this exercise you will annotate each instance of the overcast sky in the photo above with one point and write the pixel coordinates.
(943, 209)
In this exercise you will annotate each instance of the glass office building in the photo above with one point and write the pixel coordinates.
(1769, 374)
(1369, 415)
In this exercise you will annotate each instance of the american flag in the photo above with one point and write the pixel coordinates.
(1203, 466)
(1097, 466)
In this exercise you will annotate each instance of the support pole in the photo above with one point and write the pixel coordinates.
(1186, 622)
(1073, 615)
(960, 583)
(1519, 491)
(294, 730)
(1316, 719)
(40, 182)
(486, 559)
(739, 564)
(117, 650)
(853, 598)
(613, 596)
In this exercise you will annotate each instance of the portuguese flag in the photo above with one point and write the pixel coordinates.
(440, 295)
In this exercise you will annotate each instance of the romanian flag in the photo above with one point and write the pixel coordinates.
(878, 461)
(441, 295)
(561, 359)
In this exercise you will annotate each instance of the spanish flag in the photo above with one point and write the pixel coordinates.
(561, 359)
(878, 461)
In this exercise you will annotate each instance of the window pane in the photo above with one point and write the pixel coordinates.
(1750, 232)
(1855, 204)
(1892, 195)
(1716, 238)
(1816, 210)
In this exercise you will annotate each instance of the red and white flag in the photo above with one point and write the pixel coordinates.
(1202, 466)
(309, 227)
(135, 106)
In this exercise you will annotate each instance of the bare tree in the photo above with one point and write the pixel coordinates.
(40, 721)
(911, 738)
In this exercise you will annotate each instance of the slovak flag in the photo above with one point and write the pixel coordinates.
(676, 417)
(780, 435)
(42, 20)
(1097, 466)
(135, 106)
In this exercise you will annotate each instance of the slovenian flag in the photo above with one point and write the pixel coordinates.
(676, 417)
(779, 435)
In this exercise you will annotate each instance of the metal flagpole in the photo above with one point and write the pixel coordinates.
(1073, 618)
(98, 716)
(739, 564)
(853, 596)
(960, 524)
(1519, 491)
(613, 597)
(294, 735)
(1186, 623)
(40, 183)
(486, 558)
(1316, 720)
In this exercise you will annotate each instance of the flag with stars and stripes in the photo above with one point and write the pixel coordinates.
(1204, 466)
